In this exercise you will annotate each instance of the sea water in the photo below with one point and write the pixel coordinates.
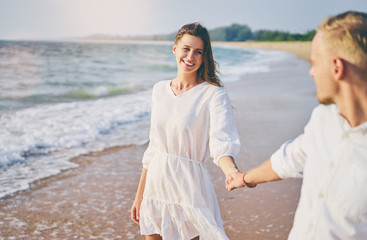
(59, 100)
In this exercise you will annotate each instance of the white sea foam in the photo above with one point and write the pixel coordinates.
(253, 61)
(38, 142)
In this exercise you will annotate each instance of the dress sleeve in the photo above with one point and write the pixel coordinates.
(148, 154)
(223, 135)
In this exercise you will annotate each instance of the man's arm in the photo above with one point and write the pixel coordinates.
(287, 162)
(261, 174)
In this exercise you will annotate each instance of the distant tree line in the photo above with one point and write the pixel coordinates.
(237, 32)
(266, 35)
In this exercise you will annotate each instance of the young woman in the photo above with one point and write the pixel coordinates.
(191, 122)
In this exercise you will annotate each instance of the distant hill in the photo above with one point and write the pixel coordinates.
(233, 33)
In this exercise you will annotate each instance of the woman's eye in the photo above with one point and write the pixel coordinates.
(200, 52)
(186, 49)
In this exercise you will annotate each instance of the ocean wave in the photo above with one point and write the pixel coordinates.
(253, 61)
(164, 67)
(40, 142)
(47, 128)
(102, 91)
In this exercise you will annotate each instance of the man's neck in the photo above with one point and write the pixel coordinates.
(353, 105)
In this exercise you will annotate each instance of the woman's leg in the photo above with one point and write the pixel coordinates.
(153, 237)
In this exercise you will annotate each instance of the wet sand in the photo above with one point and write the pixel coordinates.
(94, 200)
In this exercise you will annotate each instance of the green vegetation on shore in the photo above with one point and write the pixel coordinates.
(276, 36)
(239, 33)
(232, 33)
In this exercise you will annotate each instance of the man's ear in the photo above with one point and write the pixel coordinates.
(338, 68)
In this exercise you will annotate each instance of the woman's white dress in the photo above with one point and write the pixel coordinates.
(179, 201)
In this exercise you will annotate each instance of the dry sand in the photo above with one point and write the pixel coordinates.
(93, 201)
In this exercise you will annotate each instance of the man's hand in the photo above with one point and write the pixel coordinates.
(234, 180)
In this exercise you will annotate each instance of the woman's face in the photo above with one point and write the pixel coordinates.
(189, 51)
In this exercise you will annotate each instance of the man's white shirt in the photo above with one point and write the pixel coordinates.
(332, 159)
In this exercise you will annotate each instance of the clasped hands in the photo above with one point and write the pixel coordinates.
(236, 180)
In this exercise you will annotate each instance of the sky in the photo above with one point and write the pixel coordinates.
(54, 19)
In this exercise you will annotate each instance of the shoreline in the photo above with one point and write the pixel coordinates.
(300, 49)
(94, 199)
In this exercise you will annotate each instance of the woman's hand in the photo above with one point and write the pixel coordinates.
(135, 210)
(234, 180)
(261, 174)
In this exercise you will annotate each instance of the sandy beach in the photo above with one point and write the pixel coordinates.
(94, 200)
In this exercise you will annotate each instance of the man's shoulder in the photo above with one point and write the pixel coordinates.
(325, 110)
(324, 117)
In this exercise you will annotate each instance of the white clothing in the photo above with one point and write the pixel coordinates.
(179, 201)
(332, 159)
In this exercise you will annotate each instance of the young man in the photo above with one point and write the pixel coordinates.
(331, 154)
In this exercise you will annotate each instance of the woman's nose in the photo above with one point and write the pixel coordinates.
(190, 54)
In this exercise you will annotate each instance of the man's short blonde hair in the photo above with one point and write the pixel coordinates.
(346, 34)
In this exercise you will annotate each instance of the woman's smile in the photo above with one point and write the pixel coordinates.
(187, 63)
